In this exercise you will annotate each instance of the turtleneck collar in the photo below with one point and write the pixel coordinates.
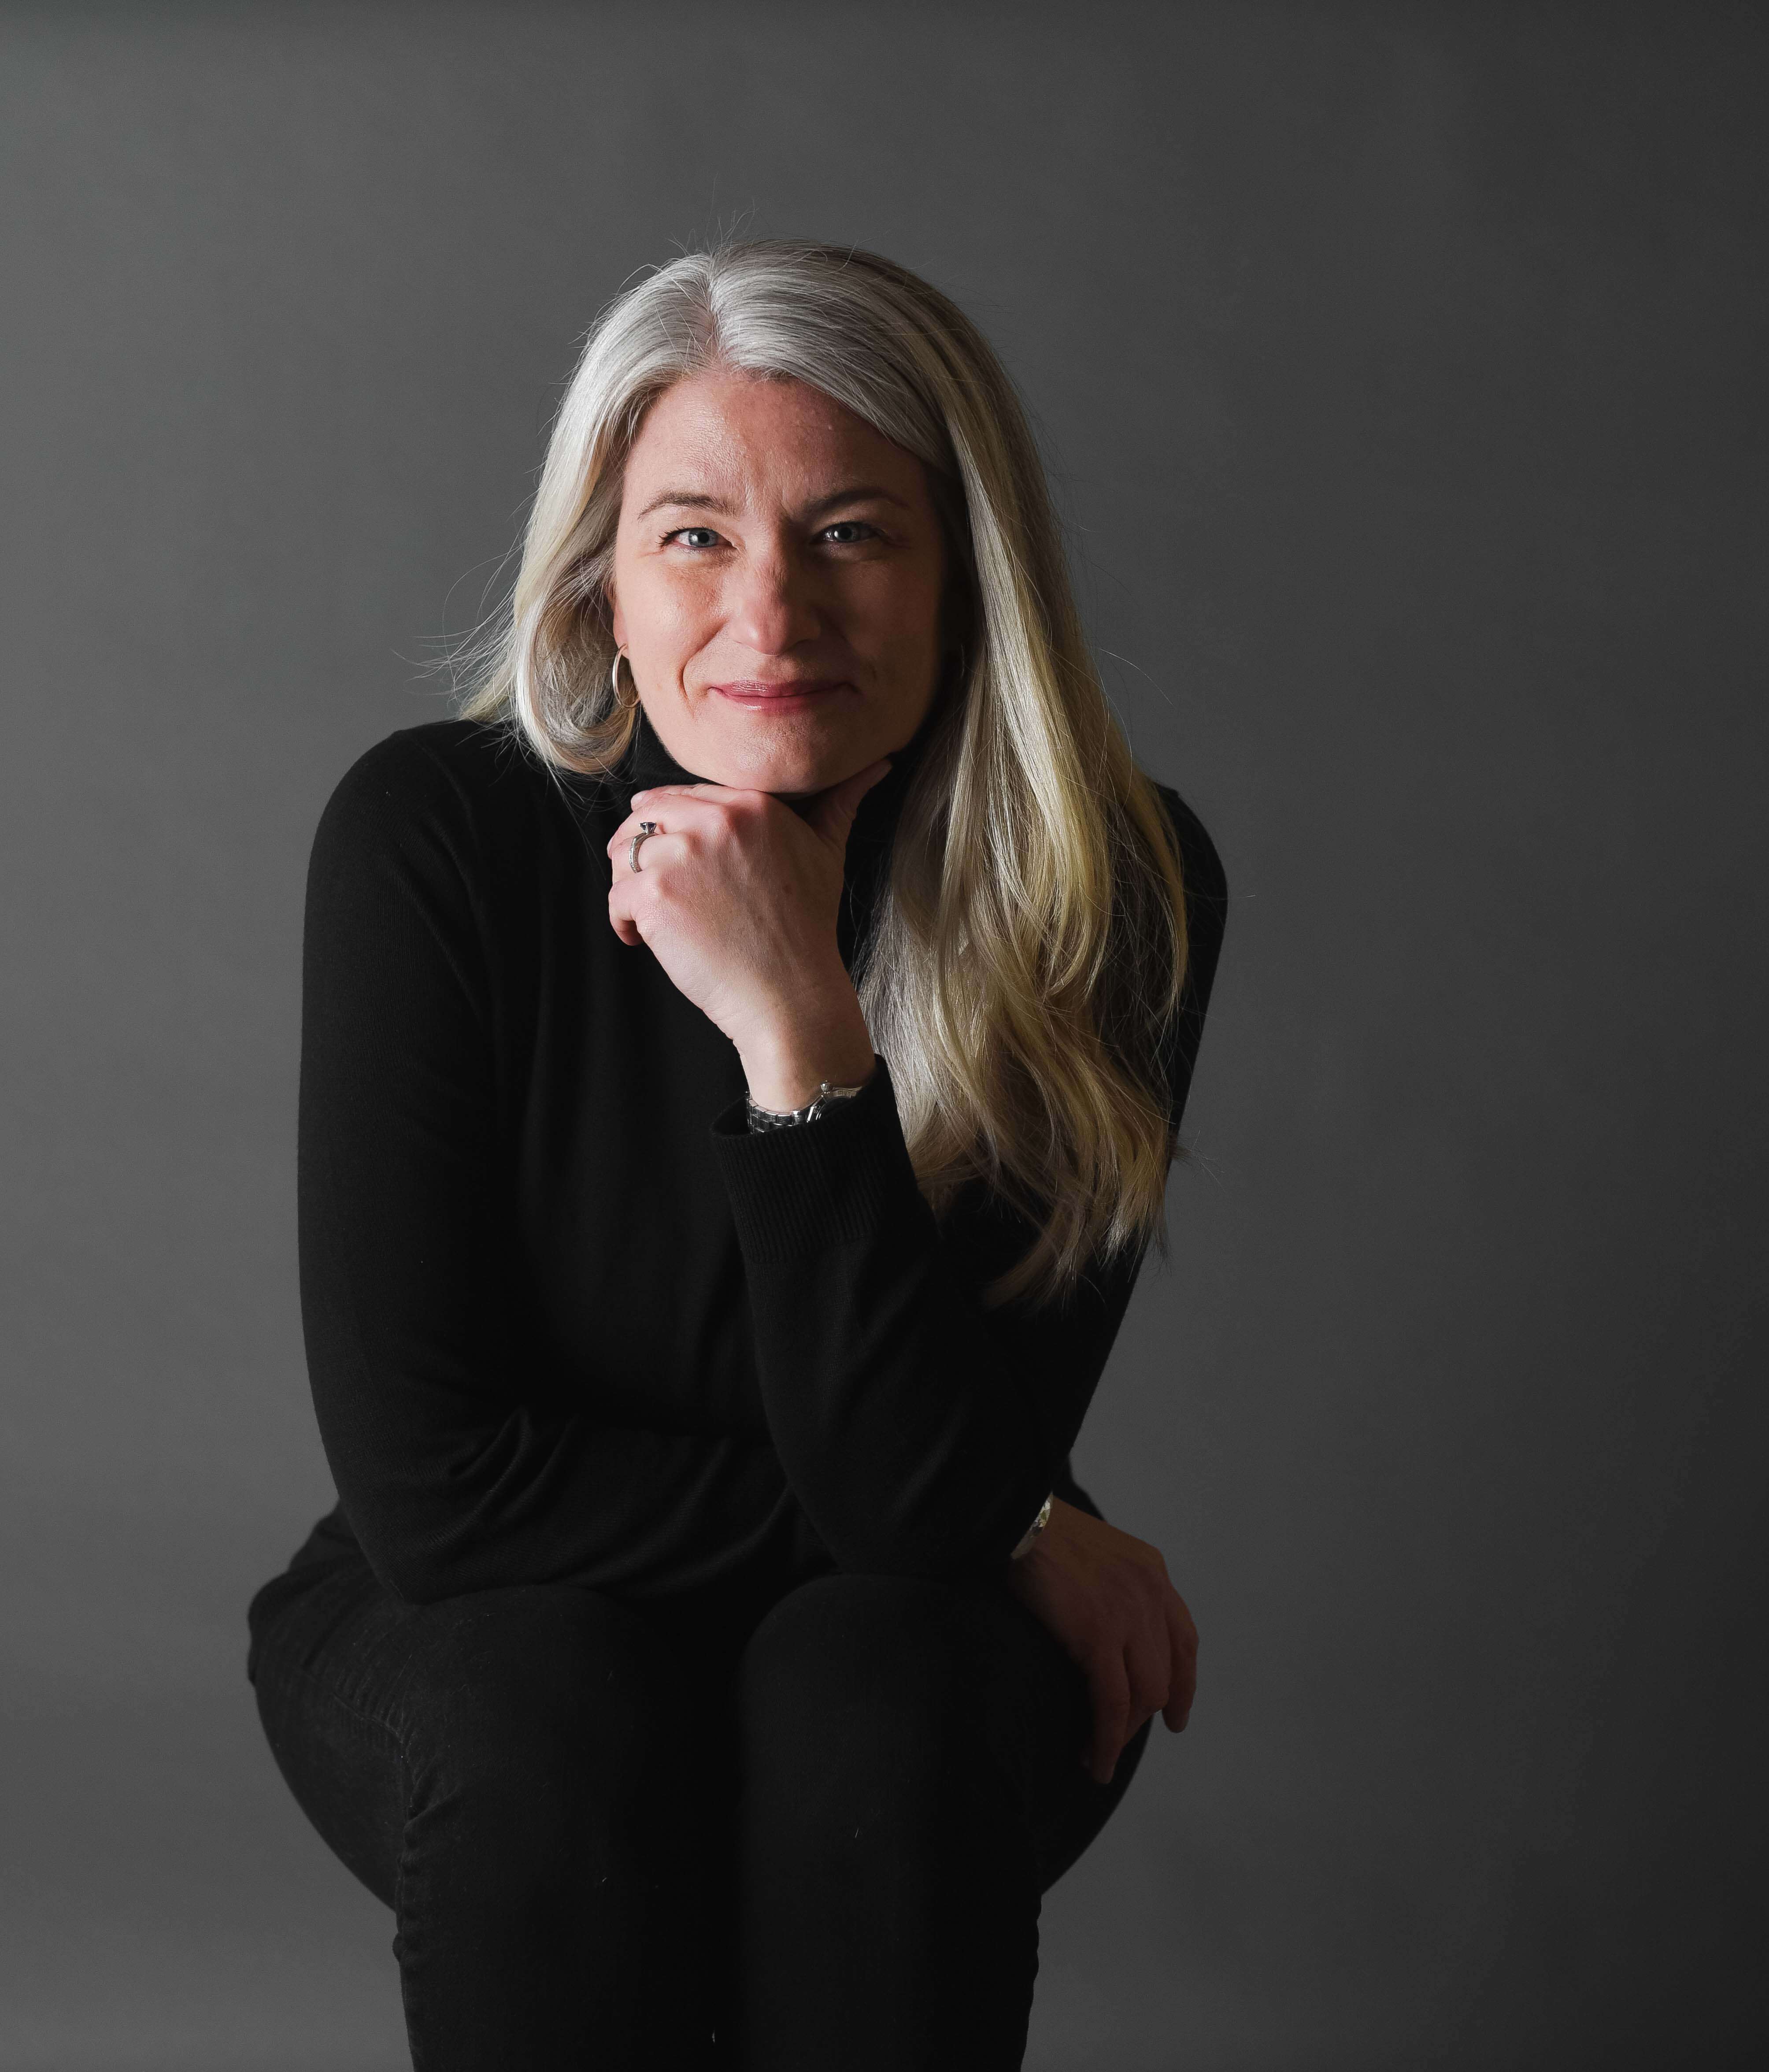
(648, 763)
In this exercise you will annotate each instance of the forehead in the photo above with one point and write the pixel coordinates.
(753, 438)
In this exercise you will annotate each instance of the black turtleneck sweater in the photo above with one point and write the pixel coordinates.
(567, 1318)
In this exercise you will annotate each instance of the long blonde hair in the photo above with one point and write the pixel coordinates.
(1022, 973)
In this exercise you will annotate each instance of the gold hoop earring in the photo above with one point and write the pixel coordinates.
(614, 675)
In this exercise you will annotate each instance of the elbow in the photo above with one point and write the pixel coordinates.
(414, 1572)
(421, 1550)
(410, 1579)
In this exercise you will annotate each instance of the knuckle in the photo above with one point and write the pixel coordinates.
(1148, 1687)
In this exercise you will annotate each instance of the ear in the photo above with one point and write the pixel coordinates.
(617, 624)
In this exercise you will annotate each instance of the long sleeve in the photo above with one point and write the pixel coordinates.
(920, 1431)
(460, 1462)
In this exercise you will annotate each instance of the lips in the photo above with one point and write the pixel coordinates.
(792, 691)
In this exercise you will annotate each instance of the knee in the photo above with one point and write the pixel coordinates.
(855, 1698)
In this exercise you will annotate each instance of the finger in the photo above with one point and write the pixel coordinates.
(1109, 1685)
(618, 842)
(635, 896)
(686, 805)
(705, 819)
(1184, 1681)
(620, 915)
(676, 808)
(661, 848)
(653, 793)
(1150, 1658)
(1149, 1661)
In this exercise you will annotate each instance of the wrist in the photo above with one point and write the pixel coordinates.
(784, 1066)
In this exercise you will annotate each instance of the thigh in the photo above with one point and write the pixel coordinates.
(369, 1704)
(324, 1690)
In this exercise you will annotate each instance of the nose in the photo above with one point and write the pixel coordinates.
(772, 608)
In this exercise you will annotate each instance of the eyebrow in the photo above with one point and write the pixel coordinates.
(696, 499)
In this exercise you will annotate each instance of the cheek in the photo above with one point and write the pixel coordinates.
(900, 615)
(666, 610)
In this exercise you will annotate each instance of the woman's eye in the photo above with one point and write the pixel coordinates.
(694, 536)
(852, 532)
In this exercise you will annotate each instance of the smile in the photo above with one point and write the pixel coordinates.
(796, 695)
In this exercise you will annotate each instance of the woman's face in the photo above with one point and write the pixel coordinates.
(777, 583)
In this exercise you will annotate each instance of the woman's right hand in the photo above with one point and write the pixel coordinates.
(1105, 1596)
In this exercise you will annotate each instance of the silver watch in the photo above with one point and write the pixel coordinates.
(1034, 1529)
(777, 1118)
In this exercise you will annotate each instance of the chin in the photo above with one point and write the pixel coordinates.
(791, 779)
(791, 767)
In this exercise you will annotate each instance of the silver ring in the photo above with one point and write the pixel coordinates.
(645, 827)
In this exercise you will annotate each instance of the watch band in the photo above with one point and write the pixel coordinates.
(1034, 1529)
(776, 1118)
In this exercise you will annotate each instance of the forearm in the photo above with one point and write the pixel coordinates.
(635, 1512)
(459, 1466)
(920, 1430)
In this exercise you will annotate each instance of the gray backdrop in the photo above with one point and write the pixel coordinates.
(1400, 370)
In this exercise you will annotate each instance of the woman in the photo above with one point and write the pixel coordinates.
(741, 1060)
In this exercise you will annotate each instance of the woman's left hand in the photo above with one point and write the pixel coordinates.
(1105, 1597)
(737, 896)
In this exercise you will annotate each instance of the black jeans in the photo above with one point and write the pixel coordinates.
(803, 1835)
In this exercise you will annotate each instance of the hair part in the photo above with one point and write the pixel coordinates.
(1023, 969)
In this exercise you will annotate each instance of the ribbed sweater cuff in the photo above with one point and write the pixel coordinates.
(799, 1191)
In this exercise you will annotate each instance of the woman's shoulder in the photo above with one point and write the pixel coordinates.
(420, 769)
(1206, 916)
(467, 786)
(1206, 881)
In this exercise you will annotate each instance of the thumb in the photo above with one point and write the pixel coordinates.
(833, 814)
